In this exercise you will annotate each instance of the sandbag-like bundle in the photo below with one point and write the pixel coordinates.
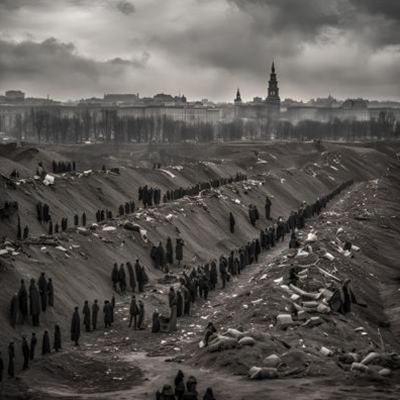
(247, 341)
(272, 361)
(263, 373)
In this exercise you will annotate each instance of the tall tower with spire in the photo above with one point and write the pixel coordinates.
(238, 103)
(273, 100)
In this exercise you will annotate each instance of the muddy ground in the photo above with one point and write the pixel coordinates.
(120, 363)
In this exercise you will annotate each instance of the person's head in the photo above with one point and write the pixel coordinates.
(76, 308)
(86, 302)
(209, 391)
(95, 301)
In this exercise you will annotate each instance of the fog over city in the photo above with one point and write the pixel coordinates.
(71, 49)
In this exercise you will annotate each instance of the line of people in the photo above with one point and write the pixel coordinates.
(137, 277)
(63, 166)
(39, 298)
(164, 257)
(127, 208)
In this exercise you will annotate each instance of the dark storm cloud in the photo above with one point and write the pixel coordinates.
(59, 64)
(388, 8)
(126, 7)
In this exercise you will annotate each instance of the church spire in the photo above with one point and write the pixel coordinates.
(238, 96)
(273, 67)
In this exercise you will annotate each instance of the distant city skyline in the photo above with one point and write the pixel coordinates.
(72, 49)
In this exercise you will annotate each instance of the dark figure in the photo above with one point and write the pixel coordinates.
(108, 314)
(50, 227)
(294, 243)
(42, 283)
(50, 292)
(115, 276)
(19, 229)
(14, 310)
(34, 303)
(191, 385)
(232, 223)
(113, 301)
(268, 208)
(179, 250)
(166, 393)
(95, 313)
(134, 312)
(141, 315)
(169, 251)
(155, 328)
(84, 219)
(57, 338)
(86, 318)
(25, 353)
(33, 345)
(179, 385)
(75, 327)
(56, 228)
(1, 367)
(139, 276)
(131, 274)
(26, 232)
(122, 278)
(76, 219)
(210, 330)
(349, 297)
(209, 395)
(11, 355)
(46, 343)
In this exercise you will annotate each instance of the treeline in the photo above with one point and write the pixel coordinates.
(384, 127)
(49, 126)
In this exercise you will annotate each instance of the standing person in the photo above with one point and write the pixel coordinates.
(122, 278)
(232, 222)
(23, 300)
(95, 313)
(131, 274)
(155, 328)
(1, 367)
(139, 276)
(11, 355)
(108, 311)
(115, 276)
(173, 302)
(14, 310)
(25, 353)
(42, 283)
(75, 326)
(34, 303)
(57, 338)
(86, 318)
(179, 250)
(209, 395)
(169, 251)
(134, 312)
(179, 385)
(46, 343)
(268, 204)
(32, 347)
(141, 315)
(50, 292)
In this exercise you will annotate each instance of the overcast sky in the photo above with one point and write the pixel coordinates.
(71, 49)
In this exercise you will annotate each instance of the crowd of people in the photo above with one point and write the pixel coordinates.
(63, 166)
(149, 196)
(137, 277)
(163, 258)
(182, 391)
(127, 208)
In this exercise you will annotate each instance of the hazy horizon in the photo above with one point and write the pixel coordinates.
(72, 49)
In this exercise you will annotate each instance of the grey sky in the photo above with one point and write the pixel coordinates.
(202, 48)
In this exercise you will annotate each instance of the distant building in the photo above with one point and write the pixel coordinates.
(14, 95)
(260, 109)
(114, 98)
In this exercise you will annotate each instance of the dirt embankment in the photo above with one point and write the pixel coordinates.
(83, 272)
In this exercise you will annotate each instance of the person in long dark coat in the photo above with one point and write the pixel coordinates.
(86, 318)
(11, 355)
(131, 274)
(23, 300)
(122, 278)
(115, 276)
(141, 315)
(14, 310)
(160, 256)
(46, 343)
(179, 385)
(42, 283)
(32, 346)
(108, 311)
(75, 327)
(1, 367)
(179, 250)
(232, 223)
(139, 276)
(134, 312)
(209, 395)
(268, 208)
(169, 251)
(25, 353)
(95, 313)
(57, 338)
(50, 292)
(155, 327)
(34, 303)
